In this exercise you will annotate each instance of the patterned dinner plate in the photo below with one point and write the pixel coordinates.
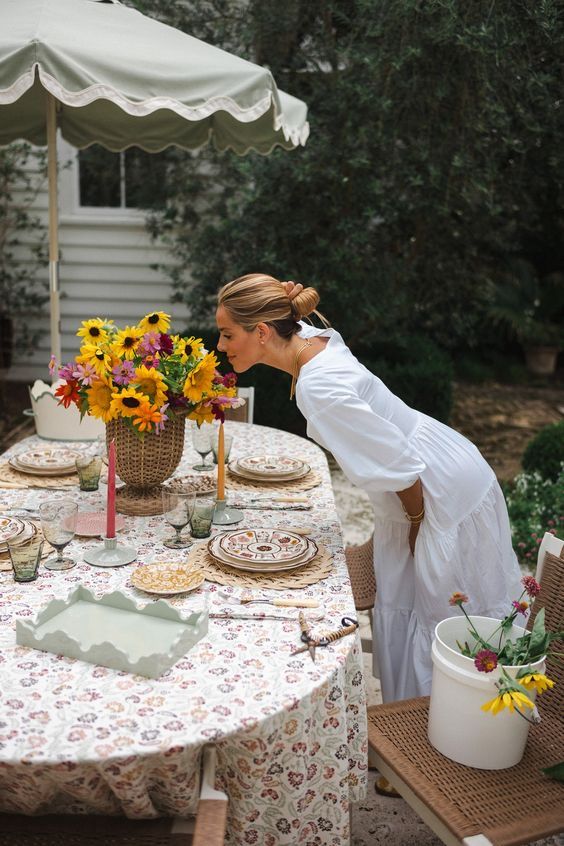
(166, 578)
(92, 524)
(48, 458)
(29, 531)
(270, 465)
(253, 567)
(250, 476)
(10, 527)
(203, 484)
(40, 471)
(262, 546)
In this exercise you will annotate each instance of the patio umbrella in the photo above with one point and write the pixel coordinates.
(103, 72)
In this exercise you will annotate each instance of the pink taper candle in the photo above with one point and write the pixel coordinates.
(220, 464)
(111, 502)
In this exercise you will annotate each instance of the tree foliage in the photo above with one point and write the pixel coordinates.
(435, 156)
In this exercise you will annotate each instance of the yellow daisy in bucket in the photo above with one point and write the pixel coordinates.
(149, 381)
(536, 681)
(156, 321)
(510, 699)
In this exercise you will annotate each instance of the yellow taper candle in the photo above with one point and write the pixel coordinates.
(220, 464)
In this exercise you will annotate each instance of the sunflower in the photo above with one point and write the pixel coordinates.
(125, 342)
(203, 413)
(200, 380)
(151, 383)
(99, 357)
(187, 348)
(94, 331)
(157, 321)
(100, 400)
(127, 403)
(147, 416)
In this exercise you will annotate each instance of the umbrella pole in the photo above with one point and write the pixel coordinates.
(53, 228)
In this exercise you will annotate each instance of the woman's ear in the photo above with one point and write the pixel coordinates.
(264, 331)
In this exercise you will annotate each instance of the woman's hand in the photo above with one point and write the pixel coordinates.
(292, 288)
(413, 532)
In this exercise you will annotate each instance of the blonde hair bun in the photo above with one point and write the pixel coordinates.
(305, 303)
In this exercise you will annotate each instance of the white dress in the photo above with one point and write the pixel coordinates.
(464, 542)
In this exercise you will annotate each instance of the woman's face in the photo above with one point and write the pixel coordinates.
(243, 349)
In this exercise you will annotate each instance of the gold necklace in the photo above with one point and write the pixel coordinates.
(295, 367)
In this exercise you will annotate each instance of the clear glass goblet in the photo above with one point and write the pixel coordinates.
(58, 522)
(178, 507)
(201, 441)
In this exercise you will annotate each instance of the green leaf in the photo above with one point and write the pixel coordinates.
(556, 771)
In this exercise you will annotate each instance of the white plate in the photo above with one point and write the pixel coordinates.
(260, 567)
(92, 524)
(257, 477)
(166, 578)
(48, 458)
(262, 546)
(10, 527)
(270, 465)
(13, 462)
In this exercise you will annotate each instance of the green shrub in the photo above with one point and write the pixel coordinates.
(418, 372)
(545, 452)
(535, 506)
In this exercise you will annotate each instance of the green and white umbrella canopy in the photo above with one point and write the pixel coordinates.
(102, 72)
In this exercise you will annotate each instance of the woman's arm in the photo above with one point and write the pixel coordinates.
(412, 502)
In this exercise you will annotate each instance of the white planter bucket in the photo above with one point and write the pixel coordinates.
(54, 422)
(458, 728)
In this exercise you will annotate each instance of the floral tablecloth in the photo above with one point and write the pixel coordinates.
(290, 733)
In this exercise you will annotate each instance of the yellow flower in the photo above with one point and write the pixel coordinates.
(156, 321)
(99, 357)
(150, 382)
(100, 400)
(508, 699)
(188, 348)
(127, 403)
(202, 414)
(536, 681)
(200, 380)
(94, 331)
(125, 342)
(147, 415)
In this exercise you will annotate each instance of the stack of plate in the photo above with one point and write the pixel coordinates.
(14, 529)
(269, 468)
(46, 461)
(262, 550)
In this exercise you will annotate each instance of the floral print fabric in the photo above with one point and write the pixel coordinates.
(290, 733)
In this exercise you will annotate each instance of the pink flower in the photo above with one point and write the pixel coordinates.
(531, 585)
(229, 380)
(85, 373)
(485, 661)
(123, 373)
(458, 598)
(150, 343)
(66, 371)
(520, 607)
(164, 417)
(52, 364)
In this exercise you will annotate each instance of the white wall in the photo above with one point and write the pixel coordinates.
(104, 270)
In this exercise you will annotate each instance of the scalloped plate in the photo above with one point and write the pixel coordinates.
(166, 578)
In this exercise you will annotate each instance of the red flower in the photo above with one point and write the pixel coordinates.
(531, 585)
(458, 598)
(485, 661)
(68, 393)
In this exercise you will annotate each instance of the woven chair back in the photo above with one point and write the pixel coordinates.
(551, 598)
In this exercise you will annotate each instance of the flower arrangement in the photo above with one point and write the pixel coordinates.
(497, 652)
(142, 374)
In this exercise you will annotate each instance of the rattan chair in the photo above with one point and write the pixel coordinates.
(480, 807)
(206, 829)
(360, 564)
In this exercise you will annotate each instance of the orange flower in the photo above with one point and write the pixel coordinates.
(147, 415)
(68, 393)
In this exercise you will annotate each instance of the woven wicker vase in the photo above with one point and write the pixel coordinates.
(144, 463)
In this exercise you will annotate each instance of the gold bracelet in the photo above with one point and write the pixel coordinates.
(414, 518)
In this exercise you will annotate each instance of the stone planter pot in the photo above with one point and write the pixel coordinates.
(458, 728)
(541, 360)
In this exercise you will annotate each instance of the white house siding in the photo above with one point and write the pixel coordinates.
(105, 270)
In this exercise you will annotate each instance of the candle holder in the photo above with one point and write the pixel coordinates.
(112, 554)
(224, 514)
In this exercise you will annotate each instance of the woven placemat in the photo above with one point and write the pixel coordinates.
(29, 480)
(237, 483)
(223, 574)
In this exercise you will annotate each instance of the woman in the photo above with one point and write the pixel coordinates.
(441, 523)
